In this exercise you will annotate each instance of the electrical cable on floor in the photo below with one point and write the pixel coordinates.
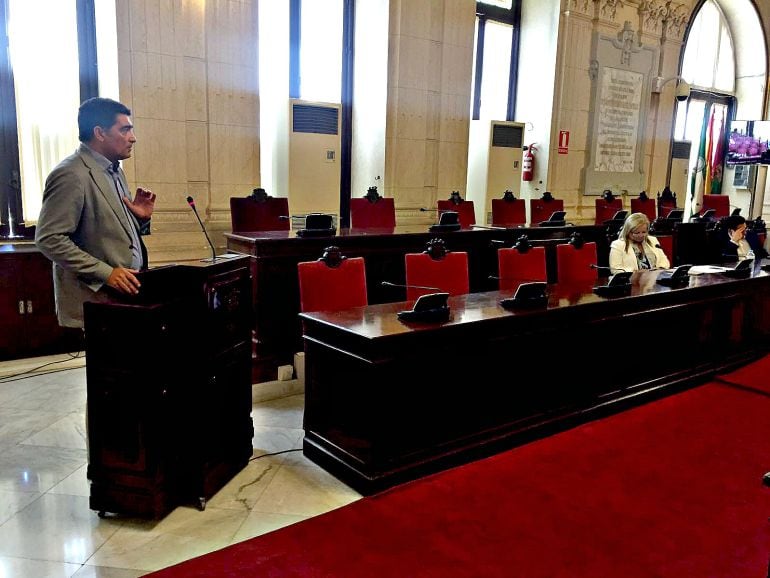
(27, 374)
(274, 454)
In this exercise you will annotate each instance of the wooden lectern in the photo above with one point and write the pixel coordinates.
(169, 388)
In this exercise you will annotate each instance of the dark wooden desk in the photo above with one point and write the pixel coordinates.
(387, 402)
(27, 305)
(277, 330)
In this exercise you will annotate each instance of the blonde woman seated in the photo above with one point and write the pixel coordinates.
(635, 249)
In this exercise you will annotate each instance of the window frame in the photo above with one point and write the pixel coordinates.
(11, 197)
(512, 16)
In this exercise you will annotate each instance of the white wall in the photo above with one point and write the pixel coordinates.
(535, 91)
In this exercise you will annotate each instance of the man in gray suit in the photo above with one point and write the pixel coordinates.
(89, 225)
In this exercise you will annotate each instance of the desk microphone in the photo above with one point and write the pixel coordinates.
(191, 202)
(431, 307)
(594, 266)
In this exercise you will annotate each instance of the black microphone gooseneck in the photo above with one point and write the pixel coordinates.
(191, 202)
(594, 266)
(402, 286)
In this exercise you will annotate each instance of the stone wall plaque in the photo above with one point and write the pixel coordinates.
(621, 71)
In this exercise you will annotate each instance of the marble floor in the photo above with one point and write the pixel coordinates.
(47, 528)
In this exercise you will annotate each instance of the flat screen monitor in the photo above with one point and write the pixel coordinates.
(748, 142)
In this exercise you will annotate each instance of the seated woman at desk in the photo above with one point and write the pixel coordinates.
(739, 243)
(635, 249)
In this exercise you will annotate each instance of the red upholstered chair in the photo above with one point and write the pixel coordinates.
(720, 203)
(646, 206)
(509, 213)
(521, 264)
(606, 209)
(259, 212)
(372, 211)
(542, 208)
(574, 263)
(332, 283)
(465, 210)
(667, 244)
(438, 268)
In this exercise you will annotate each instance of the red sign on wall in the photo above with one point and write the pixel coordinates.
(563, 142)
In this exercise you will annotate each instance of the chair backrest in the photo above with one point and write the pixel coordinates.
(540, 210)
(515, 268)
(324, 288)
(367, 215)
(464, 209)
(646, 206)
(449, 274)
(509, 213)
(272, 214)
(720, 204)
(605, 209)
(665, 207)
(666, 243)
(574, 264)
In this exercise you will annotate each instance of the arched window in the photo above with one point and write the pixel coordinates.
(720, 63)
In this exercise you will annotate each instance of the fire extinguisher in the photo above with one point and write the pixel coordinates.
(528, 163)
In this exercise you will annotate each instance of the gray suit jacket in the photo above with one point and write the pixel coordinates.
(85, 231)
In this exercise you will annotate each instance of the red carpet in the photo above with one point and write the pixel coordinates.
(755, 375)
(669, 489)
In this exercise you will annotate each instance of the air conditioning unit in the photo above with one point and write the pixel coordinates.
(314, 157)
(494, 163)
(680, 170)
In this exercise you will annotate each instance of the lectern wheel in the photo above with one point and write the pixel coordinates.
(201, 503)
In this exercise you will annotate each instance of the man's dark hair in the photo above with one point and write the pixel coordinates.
(98, 111)
(732, 222)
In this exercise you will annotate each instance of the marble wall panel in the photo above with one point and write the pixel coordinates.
(160, 154)
(193, 28)
(409, 158)
(413, 63)
(412, 113)
(196, 137)
(415, 18)
(455, 118)
(431, 164)
(458, 19)
(456, 69)
(452, 166)
(233, 154)
(195, 89)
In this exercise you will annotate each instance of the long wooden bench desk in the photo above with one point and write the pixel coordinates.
(275, 254)
(388, 401)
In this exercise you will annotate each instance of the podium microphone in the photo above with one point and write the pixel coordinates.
(191, 202)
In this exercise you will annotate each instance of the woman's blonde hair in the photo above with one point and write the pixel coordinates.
(633, 221)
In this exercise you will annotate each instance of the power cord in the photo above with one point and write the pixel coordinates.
(26, 374)
(274, 454)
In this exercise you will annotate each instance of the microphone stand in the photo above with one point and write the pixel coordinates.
(191, 202)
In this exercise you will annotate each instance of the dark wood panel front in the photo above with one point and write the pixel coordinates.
(388, 401)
